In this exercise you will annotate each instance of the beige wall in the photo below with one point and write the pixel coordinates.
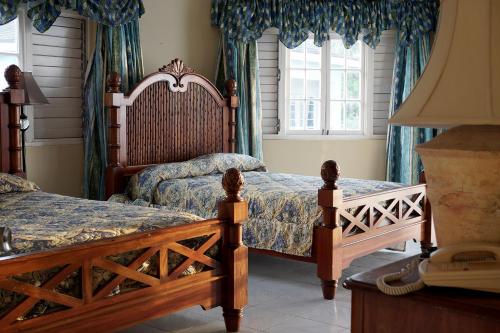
(363, 158)
(56, 168)
(179, 29)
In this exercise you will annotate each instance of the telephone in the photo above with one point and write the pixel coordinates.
(471, 266)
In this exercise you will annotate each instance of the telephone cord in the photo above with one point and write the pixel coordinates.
(383, 286)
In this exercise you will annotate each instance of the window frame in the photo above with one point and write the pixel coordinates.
(325, 132)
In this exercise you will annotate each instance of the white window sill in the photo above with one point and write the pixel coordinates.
(322, 137)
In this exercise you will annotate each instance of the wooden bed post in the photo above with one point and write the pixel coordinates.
(15, 98)
(114, 169)
(232, 104)
(329, 235)
(234, 210)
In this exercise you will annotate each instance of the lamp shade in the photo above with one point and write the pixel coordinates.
(32, 93)
(461, 82)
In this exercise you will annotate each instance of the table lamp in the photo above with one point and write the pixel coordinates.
(460, 90)
(32, 96)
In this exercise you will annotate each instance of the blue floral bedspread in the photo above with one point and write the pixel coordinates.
(41, 220)
(283, 208)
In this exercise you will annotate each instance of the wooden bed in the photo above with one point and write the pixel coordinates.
(156, 124)
(223, 283)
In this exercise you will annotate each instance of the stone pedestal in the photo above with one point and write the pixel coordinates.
(462, 168)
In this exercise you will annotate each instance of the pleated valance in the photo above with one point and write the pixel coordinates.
(246, 20)
(43, 13)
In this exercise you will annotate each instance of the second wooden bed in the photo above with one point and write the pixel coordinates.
(174, 115)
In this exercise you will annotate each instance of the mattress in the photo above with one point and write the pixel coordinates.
(40, 221)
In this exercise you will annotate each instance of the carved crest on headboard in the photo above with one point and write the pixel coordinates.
(176, 68)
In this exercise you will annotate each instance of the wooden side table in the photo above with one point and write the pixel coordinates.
(430, 310)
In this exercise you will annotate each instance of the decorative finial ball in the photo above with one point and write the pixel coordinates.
(114, 82)
(231, 87)
(330, 173)
(13, 76)
(232, 182)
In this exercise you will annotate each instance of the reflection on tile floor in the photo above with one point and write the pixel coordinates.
(284, 296)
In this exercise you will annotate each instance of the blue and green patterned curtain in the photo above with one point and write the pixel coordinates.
(239, 61)
(246, 20)
(43, 13)
(118, 49)
(403, 163)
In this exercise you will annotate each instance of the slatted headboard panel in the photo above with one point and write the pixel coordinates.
(171, 115)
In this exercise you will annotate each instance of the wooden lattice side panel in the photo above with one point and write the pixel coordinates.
(93, 278)
(380, 213)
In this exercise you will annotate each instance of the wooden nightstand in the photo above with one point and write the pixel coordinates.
(430, 310)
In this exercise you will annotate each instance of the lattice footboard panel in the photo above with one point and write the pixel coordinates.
(93, 278)
(380, 213)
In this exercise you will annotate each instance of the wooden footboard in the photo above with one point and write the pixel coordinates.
(364, 224)
(99, 308)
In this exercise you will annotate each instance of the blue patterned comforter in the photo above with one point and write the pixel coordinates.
(41, 221)
(283, 208)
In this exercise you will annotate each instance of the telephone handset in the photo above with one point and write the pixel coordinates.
(470, 266)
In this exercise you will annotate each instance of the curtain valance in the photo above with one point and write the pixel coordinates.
(245, 20)
(45, 12)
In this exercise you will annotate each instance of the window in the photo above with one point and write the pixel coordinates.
(10, 47)
(57, 59)
(324, 88)
(376, 85)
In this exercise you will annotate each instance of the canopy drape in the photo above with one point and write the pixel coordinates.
(43, 13)
(246, 20)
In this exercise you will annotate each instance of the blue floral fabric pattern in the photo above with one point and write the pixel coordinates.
(43, 13)
(143, 184)
(283, 208)
(246, 20)
(11, 184)
(40, 220)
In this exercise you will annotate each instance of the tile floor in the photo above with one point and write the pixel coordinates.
(284, 296)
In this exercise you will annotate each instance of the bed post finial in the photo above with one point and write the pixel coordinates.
(330, 173)
(232, 182)
(231, 87)
(13, 76)
(114, 82)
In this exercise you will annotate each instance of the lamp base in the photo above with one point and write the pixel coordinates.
(462, 169)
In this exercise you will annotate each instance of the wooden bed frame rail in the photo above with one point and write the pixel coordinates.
(170, 116)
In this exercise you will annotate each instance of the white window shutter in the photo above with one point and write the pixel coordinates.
(58, 57)
(382, 81)
(267, 47)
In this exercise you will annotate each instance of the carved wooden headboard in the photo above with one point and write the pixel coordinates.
(10, 127)
(170, 116)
